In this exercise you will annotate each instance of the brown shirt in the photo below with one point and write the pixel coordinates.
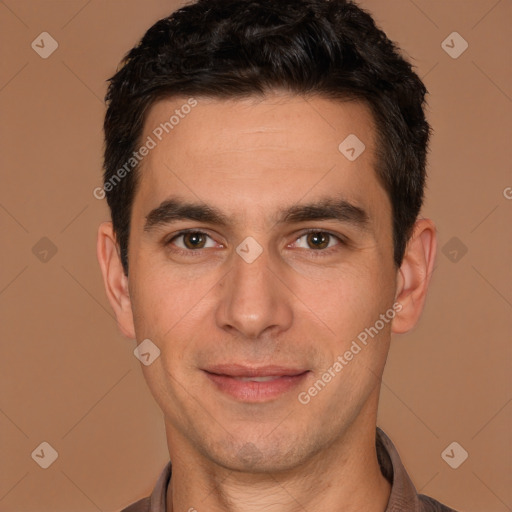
(403, 497)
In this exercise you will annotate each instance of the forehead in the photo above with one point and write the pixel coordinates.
(257, 153)
(241, 124)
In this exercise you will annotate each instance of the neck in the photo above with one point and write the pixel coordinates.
(345, 476)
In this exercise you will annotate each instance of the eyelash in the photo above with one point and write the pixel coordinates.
(315, 252)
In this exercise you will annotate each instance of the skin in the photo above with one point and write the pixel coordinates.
(249, 158)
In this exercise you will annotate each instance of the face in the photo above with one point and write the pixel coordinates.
(287, 258)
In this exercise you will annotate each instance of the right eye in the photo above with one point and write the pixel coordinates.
(191, 240)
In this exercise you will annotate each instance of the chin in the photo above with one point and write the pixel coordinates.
(258, 455)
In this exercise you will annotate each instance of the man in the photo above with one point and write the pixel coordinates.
(264, 167)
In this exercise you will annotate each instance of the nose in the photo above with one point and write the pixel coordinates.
(255, 300)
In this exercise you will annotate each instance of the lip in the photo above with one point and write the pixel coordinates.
(227, 378)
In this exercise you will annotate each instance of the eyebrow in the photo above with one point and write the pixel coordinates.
(175, 209)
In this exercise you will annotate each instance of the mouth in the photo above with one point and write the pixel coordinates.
(255, 384)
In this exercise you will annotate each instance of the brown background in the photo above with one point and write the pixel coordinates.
(70, 379)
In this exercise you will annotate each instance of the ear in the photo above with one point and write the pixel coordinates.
(114, 278)
(414, 275)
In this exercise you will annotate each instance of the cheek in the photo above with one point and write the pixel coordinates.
(166, 302)
(347, 299)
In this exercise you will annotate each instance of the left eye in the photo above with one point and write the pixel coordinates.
(319, 240)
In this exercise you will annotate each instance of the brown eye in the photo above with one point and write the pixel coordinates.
(194, 240)
(318, 240)
(191, 241)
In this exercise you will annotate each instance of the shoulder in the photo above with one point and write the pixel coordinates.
(156, 502)
(139, 506)
(431, 505)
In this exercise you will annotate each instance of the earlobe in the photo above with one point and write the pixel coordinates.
(114, 278)
(414, 275)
